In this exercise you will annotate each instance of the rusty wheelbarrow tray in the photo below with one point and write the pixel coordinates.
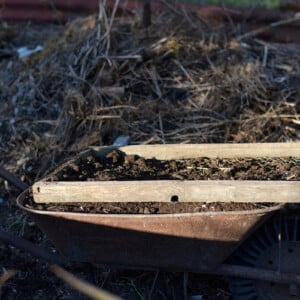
(185, 241)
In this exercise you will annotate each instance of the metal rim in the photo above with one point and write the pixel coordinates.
(21, 197)
(274, 246)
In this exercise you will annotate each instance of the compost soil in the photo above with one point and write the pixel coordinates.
(116, 165)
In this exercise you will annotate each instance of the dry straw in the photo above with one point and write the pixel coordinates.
(178, 81)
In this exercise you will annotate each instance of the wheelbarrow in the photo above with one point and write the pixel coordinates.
(260, 245)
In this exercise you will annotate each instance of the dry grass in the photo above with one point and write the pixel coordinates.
(178, 81)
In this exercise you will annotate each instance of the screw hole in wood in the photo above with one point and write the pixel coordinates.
(174, 198)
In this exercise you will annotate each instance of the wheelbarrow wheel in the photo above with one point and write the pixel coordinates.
(274, 246)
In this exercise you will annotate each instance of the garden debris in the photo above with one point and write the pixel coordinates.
(191, 84)
(121, 140)
(24, 52)
(6, 276)
(81, 285)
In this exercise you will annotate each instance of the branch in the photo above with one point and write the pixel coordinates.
(270, 26)
(81, 285)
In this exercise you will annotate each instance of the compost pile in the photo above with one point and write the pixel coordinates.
(181, 80)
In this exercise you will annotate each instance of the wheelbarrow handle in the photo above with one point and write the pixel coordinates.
(19, 242)
(27, 246)
(13, 179)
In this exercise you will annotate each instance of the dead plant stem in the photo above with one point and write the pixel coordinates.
(266, 28)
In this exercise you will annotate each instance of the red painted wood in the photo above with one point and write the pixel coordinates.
(35, 14)
(42, 10)
(47, 10)
(63, 10)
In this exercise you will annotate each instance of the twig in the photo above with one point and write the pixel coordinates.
(154, 78)
(137, 57)
(5, 276)
(108, 108)
(108, 30)
(266, 28)
(153, 285)
(161, 127)
(184, 71)
(185, 283)
(99, 19)
(81, 285)
(104, 117)
(126, 57)
(265, 58)
(185, 14)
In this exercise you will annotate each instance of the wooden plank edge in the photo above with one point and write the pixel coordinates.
(185, 151)
(168, 191)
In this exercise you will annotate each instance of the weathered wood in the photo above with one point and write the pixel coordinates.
(184, 151)
(168, 191)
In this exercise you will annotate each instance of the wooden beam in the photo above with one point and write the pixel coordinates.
(147, 13)
(168, 191)
(184, 151)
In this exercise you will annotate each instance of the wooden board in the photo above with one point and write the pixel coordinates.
(168, 191)
(184, 151)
